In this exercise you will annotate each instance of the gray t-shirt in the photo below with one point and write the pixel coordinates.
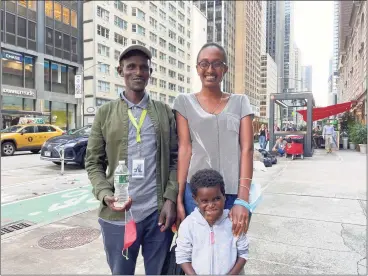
(215, 138)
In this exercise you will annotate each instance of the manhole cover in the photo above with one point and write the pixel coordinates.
(69, 238)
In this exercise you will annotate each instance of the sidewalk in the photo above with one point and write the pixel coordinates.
(312, 221)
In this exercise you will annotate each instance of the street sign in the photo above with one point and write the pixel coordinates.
(78, 86)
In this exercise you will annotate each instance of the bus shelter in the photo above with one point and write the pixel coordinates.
(291, 100)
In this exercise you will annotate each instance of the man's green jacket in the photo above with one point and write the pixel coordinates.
(108, 141)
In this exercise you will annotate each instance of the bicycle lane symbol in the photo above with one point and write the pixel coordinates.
(51, 207)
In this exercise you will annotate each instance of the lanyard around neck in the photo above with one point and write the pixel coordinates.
(134, 122)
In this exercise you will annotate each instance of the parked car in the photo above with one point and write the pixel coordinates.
(27, 137)
(74, 144)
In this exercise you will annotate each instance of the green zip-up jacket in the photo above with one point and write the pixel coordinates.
(108, 140)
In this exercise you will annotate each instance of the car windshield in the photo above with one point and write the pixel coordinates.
(11, 129)
(84, 131)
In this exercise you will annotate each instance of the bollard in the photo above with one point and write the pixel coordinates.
(62, 159)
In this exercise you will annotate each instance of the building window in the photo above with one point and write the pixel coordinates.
(103, 50)
(22, 31)
(172, 86)
(162, 84)
(102, 13)
(59, 77)
(120, 39)
(59, 115)
(116, 55)
(100, 102)
(153, 81)
(32, 5)
(138, 29)
(153, 22)
(163, 98)
(66, 16)
(181, 89)
(162, 43)
(29, 72)
(172, 74)
(119, 89)
(120, 6)
(181, 77)
(72, 73)
(57, 11)
(162, 15)
(153, 8)
(104, 86)
(74, 21)
(49, 9)
(103, 31)
(12, 68)
(162, 70)
(122, 24)
(104, 68)
(154, 52)
(153, 37)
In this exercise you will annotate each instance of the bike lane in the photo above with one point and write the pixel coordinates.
(50, 207)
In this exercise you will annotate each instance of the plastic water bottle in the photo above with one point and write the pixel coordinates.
(121, 184)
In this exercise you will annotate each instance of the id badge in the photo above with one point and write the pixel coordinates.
(138, 168)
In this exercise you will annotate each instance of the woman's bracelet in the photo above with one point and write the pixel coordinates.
(244, 186)
(245, 178)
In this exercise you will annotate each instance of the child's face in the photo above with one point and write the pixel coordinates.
(211, 203)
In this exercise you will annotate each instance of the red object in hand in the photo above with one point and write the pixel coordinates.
(173, 228)
(130, 234)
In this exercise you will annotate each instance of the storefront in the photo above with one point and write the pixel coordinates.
(55, 103)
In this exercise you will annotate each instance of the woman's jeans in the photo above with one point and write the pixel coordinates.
(262, 142)
(190, 204)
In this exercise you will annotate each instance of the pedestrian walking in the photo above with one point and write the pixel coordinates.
(262, 136)
(328, 134)
(215, 131)
(205, 243)
(138, 130)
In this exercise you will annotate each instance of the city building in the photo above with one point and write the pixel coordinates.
(275, 36)
(41, 52)
(221, 29)
(165, 27)
(199, 39)
(248, 51)
(289, 63)
(268, 86)
(353, 60)
(307, 72)
(332, 96)
(298, 69)
(264, 27)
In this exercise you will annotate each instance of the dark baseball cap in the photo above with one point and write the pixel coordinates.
(136, 47)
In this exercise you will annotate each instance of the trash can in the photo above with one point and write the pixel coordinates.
(345, 142)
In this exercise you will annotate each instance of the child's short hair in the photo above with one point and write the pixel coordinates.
(206, 178)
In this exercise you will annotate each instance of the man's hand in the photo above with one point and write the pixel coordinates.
(110, 200)
(167, 216)
(239, 215)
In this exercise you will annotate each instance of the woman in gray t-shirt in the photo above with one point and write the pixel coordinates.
(215, 131)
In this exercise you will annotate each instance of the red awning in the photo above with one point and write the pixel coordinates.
(319, 113)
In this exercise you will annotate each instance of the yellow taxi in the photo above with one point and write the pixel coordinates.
(27, 137)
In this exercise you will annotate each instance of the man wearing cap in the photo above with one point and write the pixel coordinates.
(141, 131)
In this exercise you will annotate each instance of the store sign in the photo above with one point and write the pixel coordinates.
(78, 86)
(19, 92)
(12, 56)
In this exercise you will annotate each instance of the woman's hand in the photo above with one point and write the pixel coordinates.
(239, 215)
(180, 213)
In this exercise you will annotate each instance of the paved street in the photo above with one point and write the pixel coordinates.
(34, 190)
(312, 219)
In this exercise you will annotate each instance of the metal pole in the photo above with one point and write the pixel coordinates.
(62, 160)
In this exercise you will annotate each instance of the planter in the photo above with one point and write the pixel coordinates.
(363, 148)
(351, 146)
(345, 143)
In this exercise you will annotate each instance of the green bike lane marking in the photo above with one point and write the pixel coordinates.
(50, 207)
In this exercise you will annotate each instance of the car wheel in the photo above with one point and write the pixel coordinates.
(35, 151)
(83, 163)
(7, 148)
(57, 163)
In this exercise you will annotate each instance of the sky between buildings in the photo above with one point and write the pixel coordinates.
(314, 36)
